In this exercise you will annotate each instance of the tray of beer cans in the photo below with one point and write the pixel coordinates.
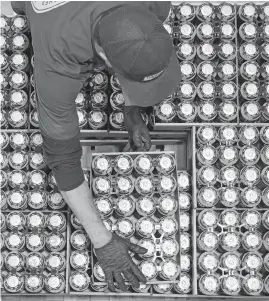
(232, 166)
(137, 197)
(232, 252)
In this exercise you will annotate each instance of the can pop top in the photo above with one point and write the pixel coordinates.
(55, 262)
(14, 261)
(250, 70)
(55, 242)
(208, 261)
(230, 241)
(34, 283)
(188, 70)
(55, 283)
(250, 175)
(124, 185)
(252, 240)
(251, 197)
(252, 261)
(185, 262)
(80, 240)
(36, 140)
(185, 12)
(208, 219)
(206, 134)
(35, 261)
(15, 220)
(230, 261)
(208, 241)
(145, 227)
(249, 134)
(252, 285)
(249, 51)
(15, 241)
(79, 281)
(56, 200)
(37, 199)
(97, 119)
(206, 70)
(207, 155)
(17, 199)
(148, 269)
(35, 242)
(184, 285)
(125, 227)
(169, 270)
(167, 205)
(19, 42)
(206, 51)
(208, 175)
(205, 31)
(186, 31)
(227, 31)
(101, 185)
(143, 164)
(165, 111)
(123, 164)
(56, 221)
(209, 284)
(125, 206)
(186, 51)
(208, 196)
(80, 260)
(104, 206)
(13, 283)
(168, 226)
(167, 184)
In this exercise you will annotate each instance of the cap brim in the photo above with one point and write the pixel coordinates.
(145, 94)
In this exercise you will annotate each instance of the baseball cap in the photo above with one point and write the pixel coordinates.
(141, 53)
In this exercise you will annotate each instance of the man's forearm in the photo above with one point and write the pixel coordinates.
(80, 200)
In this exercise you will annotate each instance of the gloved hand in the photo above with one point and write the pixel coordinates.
(115, 261)
(139, 136)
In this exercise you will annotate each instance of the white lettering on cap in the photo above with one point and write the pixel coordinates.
(153, 76)
(44, 6)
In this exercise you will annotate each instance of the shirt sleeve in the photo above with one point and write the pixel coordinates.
(159, 8)
(18, 7)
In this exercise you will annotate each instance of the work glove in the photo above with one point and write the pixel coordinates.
(139, 136)
(115, 261)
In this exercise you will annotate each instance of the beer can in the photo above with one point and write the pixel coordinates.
(79, 260)
(148, 269)
(165, 163)
(82, 118)
(3, 201)
(186, 12)
(207, 155)
(188, 70)
(98, 100)
(266, 285)
(3, 179)
(206, 31)
(35, 242)
(4, 24)
(56, 242)
(125, 228)
(205, 11)
(185, 262)
(19, 43)
(230, 241)
(252, 262)
(98, 120)
(249, 134)
(230, 261)
(266, 262)
(250, 90)
(184, 200)
(80, 100)
(18, 80)
(265, 175)
(208, 241)
(37, 179)
(15, 220)
(264, 12)
(2, 222)
(248, 12)
(56, 200)
(249, 155)
(99, 81)
(145, 206)
(101, 186)
(207, 175)
(37, 161)
(4, 63)
(252, 284)
(148, 244)
(144, 185)
(208, 219)
(252, 240)
(228, 155)
(187, 111)
(165, 111)
(36, 140)
(265, 240)
(17, 118)
(206, 51)
(101, 165)
(98, 272)
(55, 261)
(228, 90)
(184, 221)
(183, 180)
(208, 196)
(4, 81)
(14, 261)
(36, 220)
(1, 241)
(184, 286)
(4, 140)
(251, 111)
(206, 134)
(169, 247)
(248, 31)
(249, 51)
(162, 288)
(143, 164)
(186, 51)
(207, 111)
(19, 61)
(56, 221)
(19, 23)
(227, 31)
(231, 285)
(229, 218)
(208, 261)
(251, 196)
(166, 184)
(265, 112)
(54, 283)
(265, 70)
(123, 164)
(265, 219)
(15, 241)
(227, 51)
(80, 240)
(19, 140)
(265, 196)
(75, 222)
(206, 70)
(79, 281)
(16, 178)
(125, 185)
(206, 90)
(3, 160)
(169, 270)
(250, 175)
(115, 84)
(265, 51)
(104, 206)
(186, 91)
(116, 120)
(125, 206)
(34, 283)
(209, 284)
(13, 283)
(250, 71)
(17, 199)
(227, 111)
(186, 31)
(145, 227)
(34, 261)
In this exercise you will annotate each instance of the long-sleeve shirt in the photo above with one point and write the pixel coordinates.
(62, 38)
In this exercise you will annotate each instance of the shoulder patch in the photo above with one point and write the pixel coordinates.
(45, 6)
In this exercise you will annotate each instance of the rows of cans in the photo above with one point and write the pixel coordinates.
(33, 251)
(233, 251)
(233, 166)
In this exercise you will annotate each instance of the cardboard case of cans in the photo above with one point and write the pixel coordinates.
(206, 227)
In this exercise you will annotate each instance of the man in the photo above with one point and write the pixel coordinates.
(131, 39)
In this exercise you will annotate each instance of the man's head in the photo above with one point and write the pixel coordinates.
(139, 49)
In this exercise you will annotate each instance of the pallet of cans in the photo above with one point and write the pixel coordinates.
(137, 197)
(233, 252)
(33, 252)
(232, 166)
